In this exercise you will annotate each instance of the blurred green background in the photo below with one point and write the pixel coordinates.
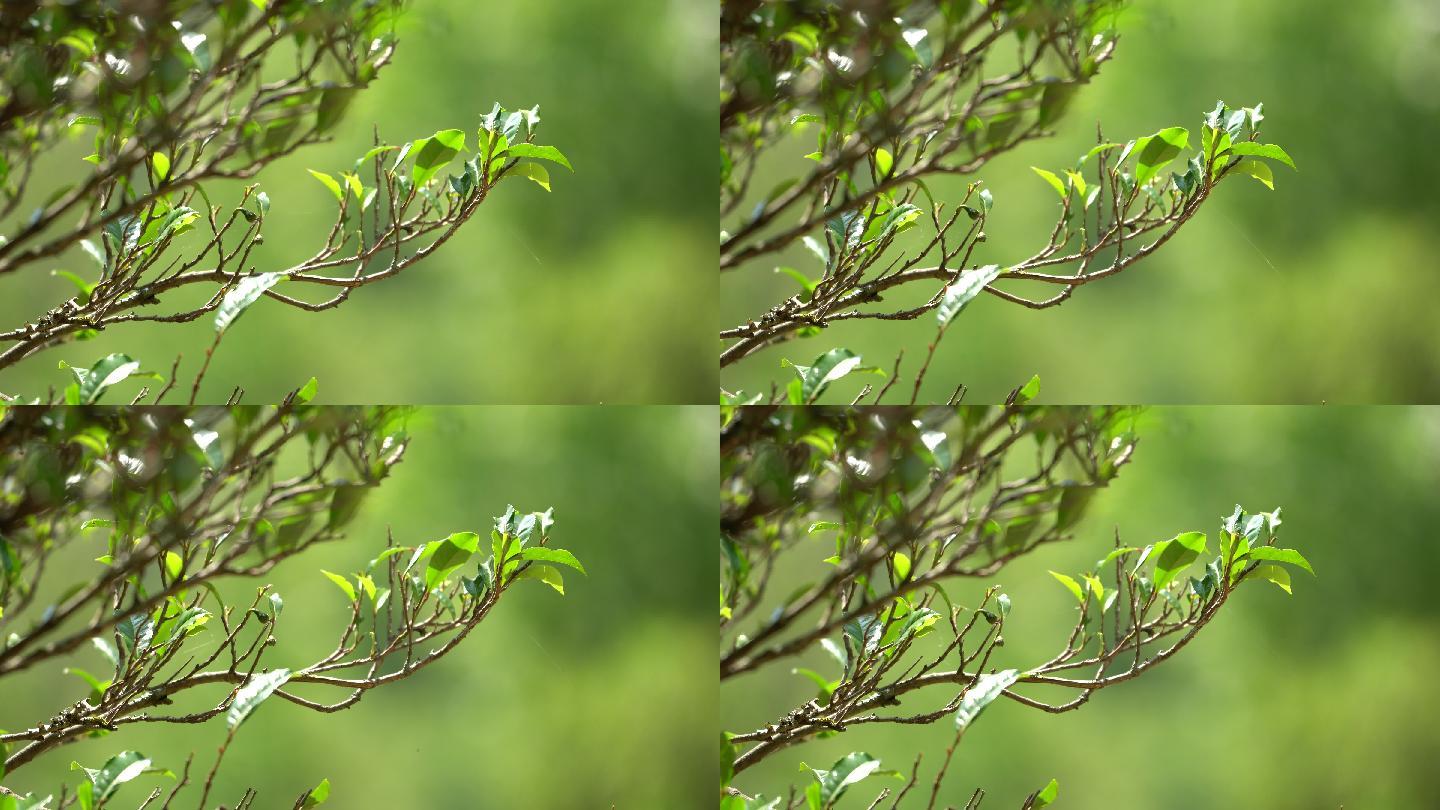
(1322, 290)
(602, 698)
(586, 294)
(1323, 699)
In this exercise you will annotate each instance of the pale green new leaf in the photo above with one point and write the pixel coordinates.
(342, 583)
(552, 555)
(531, 150)
(1285, 555)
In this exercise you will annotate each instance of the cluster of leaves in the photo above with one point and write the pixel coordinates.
(899, 92)
(179, 97)
(909, 503)
(128, 535)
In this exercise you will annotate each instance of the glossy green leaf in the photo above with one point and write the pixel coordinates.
(253, 693)
(119, 769)
(964, 290)
(1051, 178)
(530, 150)
(1028, 391)
(983, 692)
(342, 583)
(534, 172)
(446, 556)
(307, 391)
(108, 371)
(1285, 555)
(329, 182)
(245, 292)
(547, 574)
(558, 556)
(811, 381)
(432, 153)
(1154, 151)
(897, 220)
(1274, 573)
(1264, 150)
(830, 784)
(1173, 555)
(1095, 586)
(1071, 585)
(1258, 170)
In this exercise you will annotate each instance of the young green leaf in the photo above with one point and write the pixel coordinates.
(329, 182)
(531, 150)
(448, 555)
(1285, 555)
(1070, 585)
(1276, 574)
(1046, 795)
(558, 556)
(432, 153)
(1258, 170)
(547, 574)
(342, 583)
(1265, 150)
(1054, 181)
(1154, 151)
(884, 161)
(160, 164)
(1171, 556)
(317, 795)
(534, 172)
